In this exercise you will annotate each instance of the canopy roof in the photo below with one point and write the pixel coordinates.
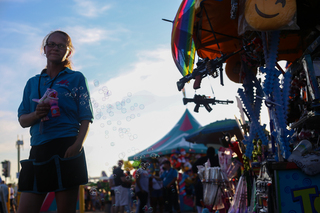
(174, 140)
(211, 133)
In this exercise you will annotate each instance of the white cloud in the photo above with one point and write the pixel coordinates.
(81, 34)
(17, 28)
(90, 9)
(154, 72)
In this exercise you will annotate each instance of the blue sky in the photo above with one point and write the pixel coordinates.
(123, 48)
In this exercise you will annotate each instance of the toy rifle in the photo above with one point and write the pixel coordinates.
(203, 100)
(205, 67)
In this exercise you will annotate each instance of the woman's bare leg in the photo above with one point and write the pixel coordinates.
(67, 200)
(30, 202)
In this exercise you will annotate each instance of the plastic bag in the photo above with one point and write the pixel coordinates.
(225, 158)
(233, 169)
(239, 204)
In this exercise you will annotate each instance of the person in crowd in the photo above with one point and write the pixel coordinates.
(128, 187)
(5, 191)
(214, 162)
(121, 193)
(12, 198)
(102, 200)
(93, 196)
(112, 186)
(142, 187)
(170, 190)
(87, 199)
(156, 192)
(58, 129)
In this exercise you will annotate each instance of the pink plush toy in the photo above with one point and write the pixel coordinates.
(51, 97)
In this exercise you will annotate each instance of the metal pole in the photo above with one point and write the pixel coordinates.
(18, 144)
(18, 157)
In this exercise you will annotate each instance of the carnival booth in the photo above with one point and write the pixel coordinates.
(247, 39)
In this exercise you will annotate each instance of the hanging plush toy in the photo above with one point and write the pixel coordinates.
(187, 165)
(175, 162)
(269, 14)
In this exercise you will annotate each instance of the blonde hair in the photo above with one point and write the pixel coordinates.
(67, 62)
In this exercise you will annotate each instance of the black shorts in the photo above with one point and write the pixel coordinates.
(47, 171)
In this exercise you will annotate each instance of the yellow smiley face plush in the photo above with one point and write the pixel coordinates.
(265, 15)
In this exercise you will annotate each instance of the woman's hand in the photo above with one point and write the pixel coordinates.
(42, 110)
(73, 150)
(27, 120)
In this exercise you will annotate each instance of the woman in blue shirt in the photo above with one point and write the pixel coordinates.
(56, 162)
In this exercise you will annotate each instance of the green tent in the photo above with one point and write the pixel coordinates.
(174, 140)
(211, 133)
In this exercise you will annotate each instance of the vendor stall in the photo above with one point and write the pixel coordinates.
(250, 38)
(181, 154)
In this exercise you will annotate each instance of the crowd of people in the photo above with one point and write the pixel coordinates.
(143, 191)
(153, 192)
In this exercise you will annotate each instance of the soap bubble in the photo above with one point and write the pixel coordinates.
(122, 155)
(75, 89)
(96, 83)
(141, 106)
